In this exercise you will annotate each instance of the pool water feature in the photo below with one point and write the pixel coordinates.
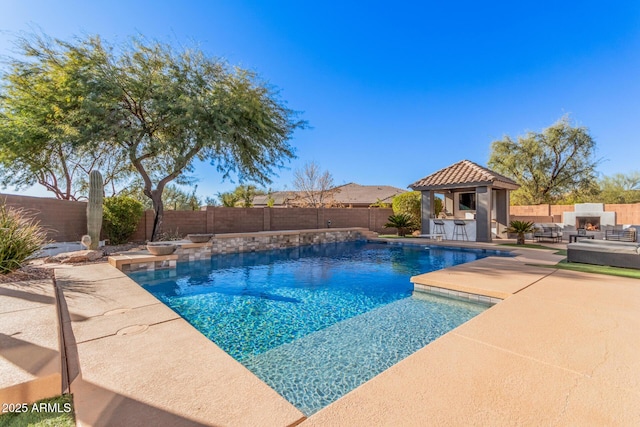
(314, 322)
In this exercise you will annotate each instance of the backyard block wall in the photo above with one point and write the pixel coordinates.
(64, 220)
(67, 221)
(625, 214)
(530, 210)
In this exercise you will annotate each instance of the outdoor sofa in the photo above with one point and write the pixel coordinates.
(605, 252)
(626, 235)
(547, 232)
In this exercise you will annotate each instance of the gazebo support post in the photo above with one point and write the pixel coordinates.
(502, 211)
(427, 211)
(483, 213)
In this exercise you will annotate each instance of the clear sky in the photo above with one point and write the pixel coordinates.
(394, 91)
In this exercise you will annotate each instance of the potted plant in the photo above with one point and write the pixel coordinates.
(520, 228)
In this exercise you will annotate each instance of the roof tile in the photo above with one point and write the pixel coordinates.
(463, 172)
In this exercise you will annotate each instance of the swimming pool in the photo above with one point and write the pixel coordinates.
(314, 322)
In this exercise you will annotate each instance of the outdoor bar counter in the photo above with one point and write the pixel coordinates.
(449, 228)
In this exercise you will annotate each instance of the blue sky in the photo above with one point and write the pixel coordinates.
(396, 91)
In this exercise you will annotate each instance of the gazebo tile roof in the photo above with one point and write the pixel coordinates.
(463, 172)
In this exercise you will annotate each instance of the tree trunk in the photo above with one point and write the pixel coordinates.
(520, 239)
(158, 207)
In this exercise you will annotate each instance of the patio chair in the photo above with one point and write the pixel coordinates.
(547, 232)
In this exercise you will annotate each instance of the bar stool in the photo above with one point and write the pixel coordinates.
(459, 230)
(438, 228)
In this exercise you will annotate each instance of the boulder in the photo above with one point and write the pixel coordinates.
(76, 256)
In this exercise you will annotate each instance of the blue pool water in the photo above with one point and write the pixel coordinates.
(315, 322)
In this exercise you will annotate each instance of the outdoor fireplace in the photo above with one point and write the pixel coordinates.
(589, 223)
(590, 217)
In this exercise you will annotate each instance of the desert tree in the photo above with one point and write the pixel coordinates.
(313, 187)
(164, 109)
(548, 165)
(620, 188)
(41, 123)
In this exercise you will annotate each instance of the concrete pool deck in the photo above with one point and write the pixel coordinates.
(563, 348)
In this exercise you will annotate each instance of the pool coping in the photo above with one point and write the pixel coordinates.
(133, 361)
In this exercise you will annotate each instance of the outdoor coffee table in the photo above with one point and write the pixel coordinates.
(576, 237)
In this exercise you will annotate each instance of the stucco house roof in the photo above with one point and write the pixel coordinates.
(348, 194)
(356, 194)
(464, 174)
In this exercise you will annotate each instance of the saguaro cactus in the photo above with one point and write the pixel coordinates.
(94, 208)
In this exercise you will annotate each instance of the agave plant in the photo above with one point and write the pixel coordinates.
(402, 222)
(520, 228)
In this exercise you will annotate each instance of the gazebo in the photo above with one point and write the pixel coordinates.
(474, 199)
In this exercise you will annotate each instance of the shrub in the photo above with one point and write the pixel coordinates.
(20, 237)
(121, 217)
(408, 203)
(438, 206)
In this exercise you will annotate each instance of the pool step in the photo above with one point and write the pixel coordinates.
(368, 234)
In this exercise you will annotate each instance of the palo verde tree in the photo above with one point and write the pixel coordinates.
(41, 124)
(547, 165)
(164, 109)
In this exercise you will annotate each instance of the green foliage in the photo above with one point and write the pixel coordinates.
(380, 204)
(175, 198)
(164, 110)
(121, 217)
(20, 237)
(438, 206)
(408, 203)
(241, 196)
(211, 201)
(520, 228)
(41, 125)
(246, 194)
(620, 188)
(547, 165)
(229, 199)
(402, 222)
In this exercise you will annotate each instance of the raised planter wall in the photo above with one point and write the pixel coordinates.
(235, 243)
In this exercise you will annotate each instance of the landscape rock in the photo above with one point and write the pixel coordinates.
(76, 256)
